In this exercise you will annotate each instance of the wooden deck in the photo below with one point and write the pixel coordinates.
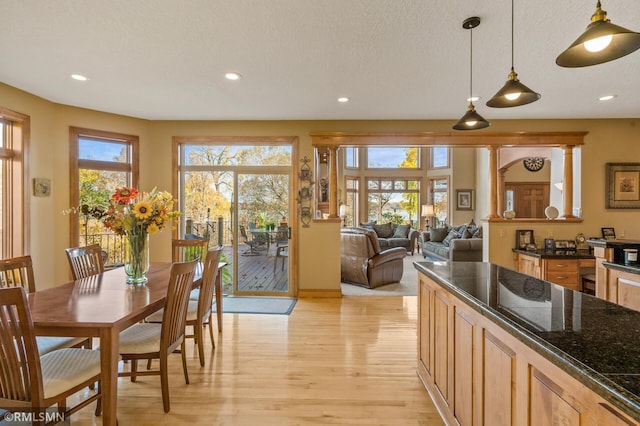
(255, 271)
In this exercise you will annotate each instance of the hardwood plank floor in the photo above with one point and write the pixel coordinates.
(338, 361)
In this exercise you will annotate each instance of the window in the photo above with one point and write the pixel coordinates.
(14, 188)
(393, 158)
(101, 162)
(439, 157)
(351, 158)
(439, 192)
(392, 200)
(352, 202)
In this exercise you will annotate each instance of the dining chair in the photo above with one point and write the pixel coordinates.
(33, 382)
(282, 235)
(158, 340)
(85, 261)
(18, 272)
(199, 312)
(187, 250)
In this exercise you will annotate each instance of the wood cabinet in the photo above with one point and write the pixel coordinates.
(563, 271)
(624, 288)
(479, 374)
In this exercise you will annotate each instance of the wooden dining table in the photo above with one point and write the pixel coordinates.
(102, 306)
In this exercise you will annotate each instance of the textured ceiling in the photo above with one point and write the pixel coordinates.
(396, 59)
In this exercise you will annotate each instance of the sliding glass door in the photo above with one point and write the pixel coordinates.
(237, 196)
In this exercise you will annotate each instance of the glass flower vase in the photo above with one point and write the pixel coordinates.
(136, 258)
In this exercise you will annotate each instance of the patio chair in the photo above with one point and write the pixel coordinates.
(18, 272)
(158, 340)
(199, 312)
(85, 261)
(252, 243)
(32, 381)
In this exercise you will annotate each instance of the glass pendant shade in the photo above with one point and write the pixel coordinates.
(512, 94)
(471, 120)
(601, 42)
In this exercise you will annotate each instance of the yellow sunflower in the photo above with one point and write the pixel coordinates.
(142, 210)
(152, 228)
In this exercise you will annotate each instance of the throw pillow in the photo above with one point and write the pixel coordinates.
(384, 230)
(471, 224)
(402, 231)
(478, 232)
(466, 231)
(438, 234)
(453, 235)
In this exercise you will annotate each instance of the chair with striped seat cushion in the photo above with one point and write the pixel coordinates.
(159, 340)
(30, 381)
(18, 272)
(199, 313)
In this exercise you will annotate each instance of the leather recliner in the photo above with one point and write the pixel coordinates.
(363, 263)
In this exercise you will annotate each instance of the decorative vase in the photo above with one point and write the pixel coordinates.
(136, 257)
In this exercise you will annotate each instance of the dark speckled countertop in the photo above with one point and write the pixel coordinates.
(557, 254)
(595, 341)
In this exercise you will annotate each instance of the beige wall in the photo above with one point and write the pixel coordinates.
(607, 141)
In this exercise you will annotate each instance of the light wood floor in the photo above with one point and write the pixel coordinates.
(348, 361)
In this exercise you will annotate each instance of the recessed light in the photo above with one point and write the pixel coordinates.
(606, 98)
(473, 99)
(232, 76)
(343, 99)
(79, 77)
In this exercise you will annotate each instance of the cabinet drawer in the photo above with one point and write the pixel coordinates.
(562, 265)
(569, 279)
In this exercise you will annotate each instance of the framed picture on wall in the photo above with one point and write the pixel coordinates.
(623, 186)
(524, 237)
(609, 233)
(464, 199)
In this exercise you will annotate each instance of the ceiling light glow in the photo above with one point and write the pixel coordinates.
(606, 98)
(232, 76)
(79, 77)
(513, 96)
(343, 99)
(473, 99)
(598, 44)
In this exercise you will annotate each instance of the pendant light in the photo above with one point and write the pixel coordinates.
(471, 120)
(513, 93)
(601, 42)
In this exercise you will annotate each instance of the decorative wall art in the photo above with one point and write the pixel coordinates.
(623, 186)
(305, 193)
(465, 199)
(41, 187)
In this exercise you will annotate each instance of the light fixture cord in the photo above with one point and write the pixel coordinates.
(471, 66)
(512, 42)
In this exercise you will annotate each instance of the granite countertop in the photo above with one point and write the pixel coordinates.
(595, 341)
(633, 268)
(557, 254)
(598, 242)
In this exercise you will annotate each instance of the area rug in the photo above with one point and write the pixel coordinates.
(257, 305)
(408, 285)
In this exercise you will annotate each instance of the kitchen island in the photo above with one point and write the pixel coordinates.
(500, 347)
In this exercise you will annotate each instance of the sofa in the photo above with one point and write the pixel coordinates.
(453, 243)
(394, 235)
(363, 262)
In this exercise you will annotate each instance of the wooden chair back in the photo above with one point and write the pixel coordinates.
(17, 272)
(21, 378)
(85, 261)
(176, 305)
(187, 250)
(209, 275)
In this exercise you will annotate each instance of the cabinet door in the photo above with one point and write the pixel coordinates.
(463, 374)
(425, 326)
(441, 343)
(549, 403)
(628, 292)
(499, 375)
